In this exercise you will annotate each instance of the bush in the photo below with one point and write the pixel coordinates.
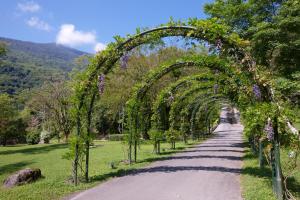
(172, 135)
(117, 137)
(45, 136)
(33, 137)
(13, 133)
(156, 135)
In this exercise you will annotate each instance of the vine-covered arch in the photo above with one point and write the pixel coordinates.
(133, 105)
(206, 30)
(163, 98)
(159, 119)
(201, 105)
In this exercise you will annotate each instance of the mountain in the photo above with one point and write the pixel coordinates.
(28, 64)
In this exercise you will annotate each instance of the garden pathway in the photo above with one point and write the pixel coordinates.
(209, 171)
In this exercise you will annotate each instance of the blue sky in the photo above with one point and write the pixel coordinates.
(87, 24)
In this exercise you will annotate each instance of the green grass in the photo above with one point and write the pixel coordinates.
(297, 125)
(256, 182)
(57, 171)
(293, 182)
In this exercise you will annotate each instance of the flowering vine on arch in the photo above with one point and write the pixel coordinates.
(240, 66)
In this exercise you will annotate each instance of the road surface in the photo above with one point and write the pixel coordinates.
(209, 171)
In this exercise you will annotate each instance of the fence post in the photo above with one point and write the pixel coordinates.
(273, 168)
(279, 188)
(260, 155)
(276, 167)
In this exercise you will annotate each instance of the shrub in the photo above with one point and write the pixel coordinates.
(45, 136)
(156, 135)
(33, 137)
(13, 133)
(117, 137)
(171, 136)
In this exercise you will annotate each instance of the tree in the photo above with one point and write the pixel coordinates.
(271, 26)
(2, 49)
(241, 15)
(51, 106)
(12, 128)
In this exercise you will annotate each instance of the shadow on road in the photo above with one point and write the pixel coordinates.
(190, 157)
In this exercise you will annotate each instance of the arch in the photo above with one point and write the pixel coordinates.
(134, 104)
(208, 107)
(211, 62)
(205, 80)
(199, 106)
(159, 118)
(208, 30)
(208, 115)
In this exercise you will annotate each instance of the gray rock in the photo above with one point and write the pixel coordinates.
(23, 176)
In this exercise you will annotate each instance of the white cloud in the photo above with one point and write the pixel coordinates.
(39, 24)
(67, 35)
(28, 6)
(99, 47)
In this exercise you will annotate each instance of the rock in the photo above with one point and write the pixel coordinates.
(22, 177)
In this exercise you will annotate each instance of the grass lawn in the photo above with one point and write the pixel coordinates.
(297, 125)
(256, 182)
(56, 170)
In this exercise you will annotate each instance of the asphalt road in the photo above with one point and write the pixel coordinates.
(209, 171)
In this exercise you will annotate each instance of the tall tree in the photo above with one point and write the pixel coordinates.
(11, 126)
(51, 104)
(271, 26)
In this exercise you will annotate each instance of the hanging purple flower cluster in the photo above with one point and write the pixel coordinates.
(219, 44)
(101, 83)
(256, 91)
(216, 88)
(269, 130)
(124, 61)
(171, 97)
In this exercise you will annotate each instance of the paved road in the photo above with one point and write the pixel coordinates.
(209, 171)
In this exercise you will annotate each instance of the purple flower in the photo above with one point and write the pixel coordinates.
(124, 61)
(269, 130)
(101, 83)
(171, 97)
(256, 91)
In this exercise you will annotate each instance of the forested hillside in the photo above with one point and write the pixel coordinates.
(28, 64)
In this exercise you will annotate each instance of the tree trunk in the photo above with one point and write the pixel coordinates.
(66, 137)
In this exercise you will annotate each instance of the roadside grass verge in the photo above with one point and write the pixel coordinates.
(257, 183)
(56, 170)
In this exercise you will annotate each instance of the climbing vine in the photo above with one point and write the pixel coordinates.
(244, 84)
